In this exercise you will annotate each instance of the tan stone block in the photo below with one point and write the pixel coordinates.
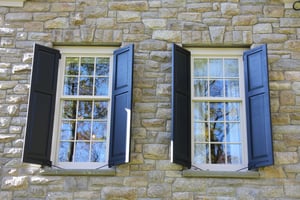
(276, 76)
(18, 17)
(155, 23)
(36, 6)
(230, 9)
(159, 190)
(14, 183)
(274, 104)
(60, 22)
(280, 119)
(292, 139)
(289, 22)
(280, 85)
(173, 36)
(244, 20)
(274, 11)
(127, 5)
(287, 98)
(269, 38)
(292, 75)
(128, 16)
(286, 157)
(63, 7)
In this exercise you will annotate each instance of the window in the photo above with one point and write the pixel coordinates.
(217, 103)
(221, 109)
(83, 104)
(83, 107)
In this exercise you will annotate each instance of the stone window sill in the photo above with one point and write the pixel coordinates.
(78, 172)
(12, 3)
(221, 174)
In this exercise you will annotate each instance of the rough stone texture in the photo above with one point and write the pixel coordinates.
(152, 26)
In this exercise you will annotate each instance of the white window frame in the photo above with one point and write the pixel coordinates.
(222, 53)
(69, 51)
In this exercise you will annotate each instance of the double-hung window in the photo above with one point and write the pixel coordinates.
(79, 110)
(217, 109)
(221, 110)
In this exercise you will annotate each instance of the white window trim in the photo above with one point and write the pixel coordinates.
(223, 52)
(77, 51)
(12, 3)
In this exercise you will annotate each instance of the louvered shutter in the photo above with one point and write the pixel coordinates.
(121, 106)
(259, 131)
(37, 148)
(181, 106)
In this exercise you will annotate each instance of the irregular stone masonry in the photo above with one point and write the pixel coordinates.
(152, 26)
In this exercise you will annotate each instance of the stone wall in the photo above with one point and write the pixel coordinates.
(152, 26)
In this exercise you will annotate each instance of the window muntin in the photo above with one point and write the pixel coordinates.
(218, 121)
(81, 136)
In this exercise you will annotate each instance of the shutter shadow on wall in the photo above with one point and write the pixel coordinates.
(37, 148)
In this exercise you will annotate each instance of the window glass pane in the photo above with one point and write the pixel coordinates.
(232, 111)
(200, 111)
(232, 88)
(86, 86)
(201, 132)
(102, 66)
(100, 110)
(70, 86)
(66, 152)
(215, 67)
(101, 86)
(217, 153)
(67, 130)
(72, 65)
(83, 130)
(69, 109)
(231, 68)
(200, 67)
(200, 153)
(85, 109)
(200, 88)
(216, 111)
(217, 132)
(233, 132)
(82, 152)
(216, 88)
(234, 153)
(98, 152)
(87, 66)
(99, 131)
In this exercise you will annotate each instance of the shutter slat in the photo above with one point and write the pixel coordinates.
(181, 107)
(37, 147)
(259, 130)
(121, 105)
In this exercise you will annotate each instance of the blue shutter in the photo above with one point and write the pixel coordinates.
(37, 148)
(259, 130)
(181, 106)
(121, 106)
